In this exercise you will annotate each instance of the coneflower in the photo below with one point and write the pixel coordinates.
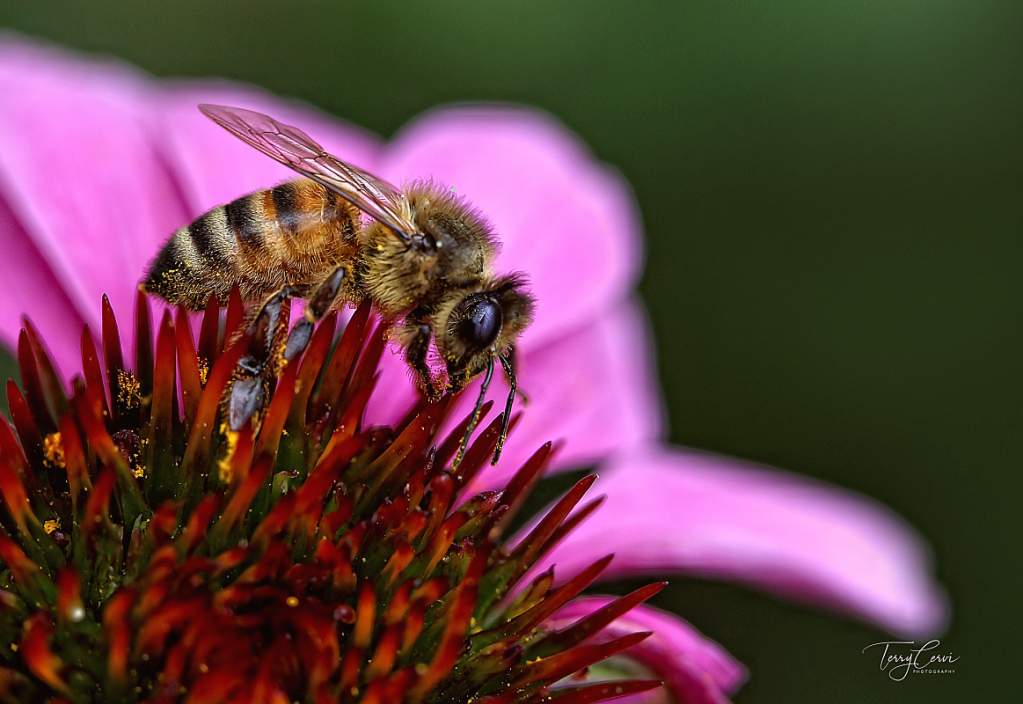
(100, 163)
(149, 555)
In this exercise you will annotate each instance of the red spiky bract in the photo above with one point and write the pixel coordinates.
(147, 555)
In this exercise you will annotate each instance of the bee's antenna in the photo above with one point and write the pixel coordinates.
(509, 370)
(475, 416)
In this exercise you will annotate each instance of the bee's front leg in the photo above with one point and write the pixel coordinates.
(457, 379)
(415, 337)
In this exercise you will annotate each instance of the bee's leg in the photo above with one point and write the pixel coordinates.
(415, 337)
(507, 362)
(457, 384)
(263, 358)
(317, 305)
(248, 390)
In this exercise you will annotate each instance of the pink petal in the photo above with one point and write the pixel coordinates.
(136, 161)
(592, 389)
(29, 285)
(673, 510)
(694, 668)
(563, 218)
(79, 172)
(214, 167)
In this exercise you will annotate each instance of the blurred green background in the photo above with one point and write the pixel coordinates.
(833, 199)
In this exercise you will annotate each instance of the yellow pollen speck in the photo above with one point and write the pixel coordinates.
(225, 464)
(139, 472)
(128, 389)
(291, 601)
(54, 450)
(203, 667)
(14, 647)
(204, 371)
(50, 526)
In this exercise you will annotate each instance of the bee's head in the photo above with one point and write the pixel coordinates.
(482, 324)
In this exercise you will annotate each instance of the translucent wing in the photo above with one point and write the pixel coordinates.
(295, 149)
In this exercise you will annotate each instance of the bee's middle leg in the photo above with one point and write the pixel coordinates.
(319, 302)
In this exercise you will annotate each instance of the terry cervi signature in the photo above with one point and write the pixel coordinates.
(898, 661)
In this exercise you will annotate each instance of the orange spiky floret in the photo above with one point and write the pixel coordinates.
(306, 557)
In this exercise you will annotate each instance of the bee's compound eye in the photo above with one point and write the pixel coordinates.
(479, 322)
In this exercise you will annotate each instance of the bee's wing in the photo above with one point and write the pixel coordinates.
(295, 149)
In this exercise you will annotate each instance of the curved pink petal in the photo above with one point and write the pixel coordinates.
(693, 668)
(592, 389)
(28, 285)
(672, 510)
(214, 167)
(566, 220)
(80, 174)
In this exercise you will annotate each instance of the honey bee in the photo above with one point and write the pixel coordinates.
(422, 256)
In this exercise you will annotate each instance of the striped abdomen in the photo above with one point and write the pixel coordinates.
(294, 234)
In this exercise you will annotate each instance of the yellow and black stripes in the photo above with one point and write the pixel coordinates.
(246, 223)
(190, 267)
(285, 206)
(213, 239)
(294, 234)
